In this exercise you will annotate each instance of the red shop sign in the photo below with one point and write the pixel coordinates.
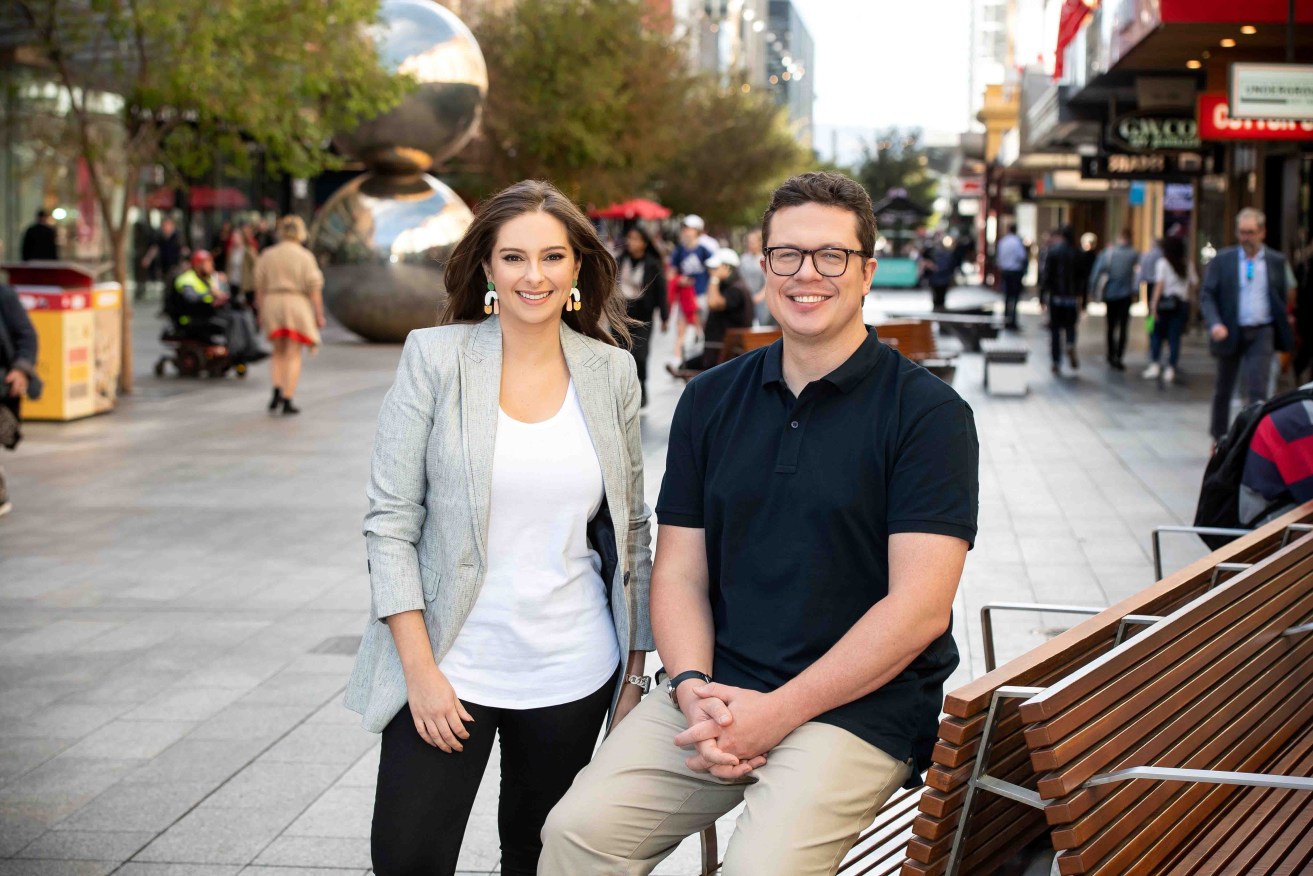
(1215, 123)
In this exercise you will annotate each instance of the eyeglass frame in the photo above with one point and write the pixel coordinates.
(848, 254)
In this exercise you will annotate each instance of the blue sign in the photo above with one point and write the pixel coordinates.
(1137, 194)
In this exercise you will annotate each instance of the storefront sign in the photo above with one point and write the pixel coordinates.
(1155, 166)
(1271, 91)
(1152, 131)
(1216, 123)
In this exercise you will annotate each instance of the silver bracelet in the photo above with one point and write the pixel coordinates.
(642, 682)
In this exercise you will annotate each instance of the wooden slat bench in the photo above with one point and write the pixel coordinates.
(1138, 749)
(915, 339)
(981, 806)
(736, 342)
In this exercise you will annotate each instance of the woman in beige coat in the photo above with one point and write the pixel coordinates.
(289, 296)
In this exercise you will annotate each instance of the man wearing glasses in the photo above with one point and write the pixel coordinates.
(818, 504)
(1244, 302)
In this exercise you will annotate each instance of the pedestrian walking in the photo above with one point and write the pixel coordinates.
(1113, 279)
(243, 255)
(754, 277)
(18, 347)
(642, 282)
(1085, 259)
(1170, 306)
(1058, 282)
(164, 256)
(729, 305)
(289, 297)
(1013, 259)
(688, 263)
(1244, 301)
(941, 267)
(809, 564)
(40, 242)
(508, 539)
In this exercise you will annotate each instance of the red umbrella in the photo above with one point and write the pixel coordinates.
(638, 208)
(226, 198)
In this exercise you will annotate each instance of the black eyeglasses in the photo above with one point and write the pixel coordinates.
(830, 261)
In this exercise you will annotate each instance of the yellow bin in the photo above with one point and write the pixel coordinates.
(79, 336)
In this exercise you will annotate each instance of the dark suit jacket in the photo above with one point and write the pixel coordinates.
(1219, 298)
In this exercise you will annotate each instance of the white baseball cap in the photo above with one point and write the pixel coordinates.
(693, 220)
(725, 256)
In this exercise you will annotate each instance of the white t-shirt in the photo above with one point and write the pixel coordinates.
(1173, 284)
(540, 633)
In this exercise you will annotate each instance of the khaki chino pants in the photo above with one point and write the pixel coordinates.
(636, 801)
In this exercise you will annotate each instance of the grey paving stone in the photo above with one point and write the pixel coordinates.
(216, 836)
(316, 851)
(303, 871)
(134, 868)
(130, 806)
(281, 785)
(140, 740)
(84, 845)
(203, 761)
(341, 812)
(57, 868)
(322, 743)
(184, 704)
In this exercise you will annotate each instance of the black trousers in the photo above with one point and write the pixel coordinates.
(1062, 321)
(938, 297)
(1011, 295)
(424, 795)
(1119, 321)
(642, 335)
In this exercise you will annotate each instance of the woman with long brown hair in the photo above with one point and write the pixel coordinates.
(507, 536)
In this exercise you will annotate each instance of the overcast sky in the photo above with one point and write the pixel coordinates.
(887, 62)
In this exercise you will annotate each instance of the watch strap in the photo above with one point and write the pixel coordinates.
(689, 675)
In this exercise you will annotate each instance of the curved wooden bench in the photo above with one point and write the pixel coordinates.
(1136, 751)
(982, 805)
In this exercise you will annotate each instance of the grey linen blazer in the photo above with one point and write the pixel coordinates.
(430, 492)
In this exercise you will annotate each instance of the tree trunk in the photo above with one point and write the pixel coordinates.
(119, 238)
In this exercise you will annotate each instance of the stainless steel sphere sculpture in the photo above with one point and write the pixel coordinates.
(383, 239)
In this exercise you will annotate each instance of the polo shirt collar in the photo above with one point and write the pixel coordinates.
(844, 378)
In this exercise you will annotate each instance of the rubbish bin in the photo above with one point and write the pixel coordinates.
(79, 337)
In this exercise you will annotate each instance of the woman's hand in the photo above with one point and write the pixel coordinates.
(438, 714)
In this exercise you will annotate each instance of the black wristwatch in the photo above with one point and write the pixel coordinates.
(676, 681)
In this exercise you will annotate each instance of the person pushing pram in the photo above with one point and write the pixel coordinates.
(208, 329)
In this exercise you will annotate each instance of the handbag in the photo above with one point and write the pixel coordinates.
(1168, 304)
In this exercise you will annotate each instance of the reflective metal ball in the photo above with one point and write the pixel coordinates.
(435, 121)
(383, 241)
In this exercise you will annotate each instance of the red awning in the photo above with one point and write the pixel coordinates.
(226, 198)
(638, 208)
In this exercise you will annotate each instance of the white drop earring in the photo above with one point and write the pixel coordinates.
(490, 305)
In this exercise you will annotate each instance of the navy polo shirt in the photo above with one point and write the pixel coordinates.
(798, 498)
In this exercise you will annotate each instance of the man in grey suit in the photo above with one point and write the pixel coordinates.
(1244, 304)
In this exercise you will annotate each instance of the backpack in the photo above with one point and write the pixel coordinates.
(1219, 495)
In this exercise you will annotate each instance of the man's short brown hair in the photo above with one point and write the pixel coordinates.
(830, 190)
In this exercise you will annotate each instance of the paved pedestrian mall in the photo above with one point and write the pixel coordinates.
(182, 585)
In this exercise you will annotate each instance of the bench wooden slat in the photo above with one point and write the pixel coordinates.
(960, 730)
(1078, 767)
(1291, 563)
(1219, 840)
(1216, 734)
(1148, 842)
(1050, 660)
(1199, 674)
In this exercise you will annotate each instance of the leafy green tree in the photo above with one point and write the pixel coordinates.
(736, 147)
(198, 81)
(898, 160)
(584, 93)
